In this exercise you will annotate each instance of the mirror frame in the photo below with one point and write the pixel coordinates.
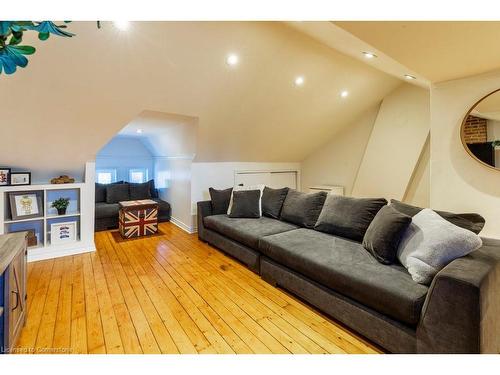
(462, 138)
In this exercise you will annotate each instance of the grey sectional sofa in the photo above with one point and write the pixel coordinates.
(458, 313)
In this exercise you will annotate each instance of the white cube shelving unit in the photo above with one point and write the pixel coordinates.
(80, 210)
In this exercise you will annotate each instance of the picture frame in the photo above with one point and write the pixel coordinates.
(20, 178)
(26, 204)
(63, 232)
(4, 176)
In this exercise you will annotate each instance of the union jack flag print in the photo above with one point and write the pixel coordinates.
(137, 222)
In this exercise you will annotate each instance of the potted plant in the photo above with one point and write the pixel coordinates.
(61, 204)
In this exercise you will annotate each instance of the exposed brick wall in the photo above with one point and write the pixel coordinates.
(475, 130)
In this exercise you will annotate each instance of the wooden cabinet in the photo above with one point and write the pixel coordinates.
(13, 296)
(17, 297)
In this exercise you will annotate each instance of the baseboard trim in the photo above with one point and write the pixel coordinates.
(35, 255)
(187, 228)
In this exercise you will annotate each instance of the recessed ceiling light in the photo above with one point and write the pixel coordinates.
(232, 59)
(410, 77)
(139, 131)
(344, 94)
(299, 81)
(122, 25)
(369, 55)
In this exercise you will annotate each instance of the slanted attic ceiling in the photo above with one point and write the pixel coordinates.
(438, 50)
(77, 93)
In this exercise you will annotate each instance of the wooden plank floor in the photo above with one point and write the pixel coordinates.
(168, 294)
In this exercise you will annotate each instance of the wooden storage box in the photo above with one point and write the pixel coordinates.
(138, 218)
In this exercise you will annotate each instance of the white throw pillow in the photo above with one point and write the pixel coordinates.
(431, 242)
(241, 188)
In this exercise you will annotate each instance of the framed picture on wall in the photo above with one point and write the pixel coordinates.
(20, 178)
(63, 232)
(4, 176)
(26, 205)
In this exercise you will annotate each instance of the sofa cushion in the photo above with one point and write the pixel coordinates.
(105, 210)
(100, 192)
(139, 191)
(220, 200)
(384, 234)
(117, 192)
(347, 216)
(162, 205)
(302, 208)
(272, 201)
(246, 204)
(152, 190)
(246, 231)
(346, 267)
(241, 187)
(471, 221)
(431, 242)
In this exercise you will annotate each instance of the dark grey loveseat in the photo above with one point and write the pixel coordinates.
(457, 313)
(106, 211)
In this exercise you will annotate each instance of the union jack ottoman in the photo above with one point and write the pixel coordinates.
(138, 218)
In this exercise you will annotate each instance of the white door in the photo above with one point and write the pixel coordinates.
(283, 179)
(271, 179)
(251, 178)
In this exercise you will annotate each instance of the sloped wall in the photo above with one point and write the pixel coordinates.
(395, 145)
(419, 188)
(123, 153)
(337, 162)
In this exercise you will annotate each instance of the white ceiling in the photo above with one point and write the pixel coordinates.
(77, 93)
(339, 39)
(165, 134)
(438, 51)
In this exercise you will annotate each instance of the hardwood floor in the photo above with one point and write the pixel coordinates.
(168, 294)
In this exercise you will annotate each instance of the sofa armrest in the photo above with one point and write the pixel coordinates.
(204, 210)
(462, 309)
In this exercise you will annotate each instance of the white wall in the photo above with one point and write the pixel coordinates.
(458, 182)
(221, 176)
(338, 161)
(122, 153)
(173, 178)
(395, 144)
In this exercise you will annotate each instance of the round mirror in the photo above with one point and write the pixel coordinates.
(481, 130)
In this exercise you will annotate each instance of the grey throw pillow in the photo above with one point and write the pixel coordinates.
(220, 200)
(384, 234)
(246, 204)
(117, 193)
(431, 242)
(100, 192)
(471, 221)
(152, 189)
(272, 201)
(348, 217)
(139, 191)
(302, 208)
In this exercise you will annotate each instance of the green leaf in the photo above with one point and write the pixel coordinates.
(16, 38)
(43, 36)
(5, 27)
(25, 50)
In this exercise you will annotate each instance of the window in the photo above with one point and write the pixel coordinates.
(106, 176)
(138, 175)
